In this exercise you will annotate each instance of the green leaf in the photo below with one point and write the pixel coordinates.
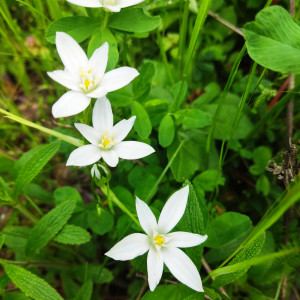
(67, 193)
(100, 224)
(208, 180)
(85, 292)
(120, 98)
(99, 38)
(273, 40)
(142, 84)
(225, 228)
(5, 191)
(192, 221)
(72, 235)
(80, 28)
(34, 165)
(252, 250)
(179, 91)
(263, 185)
(196, 118)
(4, 281)
(48, 226)
(188, 161)
(133, 20)
(15, 296)
(166, 131)
(166, 292)
(142, 123)
(96, 273)
(261, 157)
(30, 284)
(2, 239)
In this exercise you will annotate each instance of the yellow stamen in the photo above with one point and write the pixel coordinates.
(105, 143)
(87, 83)
(159, 240)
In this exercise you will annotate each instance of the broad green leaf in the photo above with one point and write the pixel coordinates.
(48, 226)
(67, 193)
(162, 292)
(34, 165)
(99, 38)
(4, 281)
(166, 131)
(85, 292)
(273, 40)
(121, 97)
(133, 20)
(142, 84)
(30, 284)
(96, 273)
(100, 224)
(261, 157)
(157, 109)
(188, 161)
(142, 123)
(196, 118)
(192, 221)
(79, 27)
(72, 235)
(263, 185)
(252, 250)
(225, 228)
(208, 180)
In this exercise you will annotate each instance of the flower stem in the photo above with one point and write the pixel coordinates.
(26, 213)
(105, 19)
(114, 199)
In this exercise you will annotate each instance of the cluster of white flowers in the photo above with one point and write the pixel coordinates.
(86, 79)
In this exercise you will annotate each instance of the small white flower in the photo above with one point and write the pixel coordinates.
(86, 78)
(106, 140)
(112, 5)
(95, 172)
(161, 244)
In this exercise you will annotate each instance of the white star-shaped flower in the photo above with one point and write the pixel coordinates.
(112, 5)
(161, 244)
(86, 78)
(107, 140)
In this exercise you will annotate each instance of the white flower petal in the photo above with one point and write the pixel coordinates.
(185, 239)
(110, 157)
(84, 156)
(99, 92)
(90, 133)
(66, 79)
(95, 172)
(155, 268)
(85, 3)
(173, 210)
(131, 246)
(126, 3)
(102, 115)
(182, 267)
(69, 104)
(146, 216)
(71, 54)
(115, 8)
(133, 150)
(122, 128)
(118, 78)
(98, 60)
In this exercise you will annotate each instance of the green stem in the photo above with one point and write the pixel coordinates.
(26, 213)
(40, 263)
(64, 137)
(105, 19)
(151, 193)
(33, 205)
(118, 203)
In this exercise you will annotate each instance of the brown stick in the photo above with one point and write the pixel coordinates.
(226, 23)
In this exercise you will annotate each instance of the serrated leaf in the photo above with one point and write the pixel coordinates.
(142, 123)
(78, 27)
(192, 221)
(225, 228)
(48, 226)
(249, 252)
(72, 235)
(166, 131)
(133, 20)
(273, 40)
(30, 284)
(34, 165)
(85, 292)
(99, 38)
